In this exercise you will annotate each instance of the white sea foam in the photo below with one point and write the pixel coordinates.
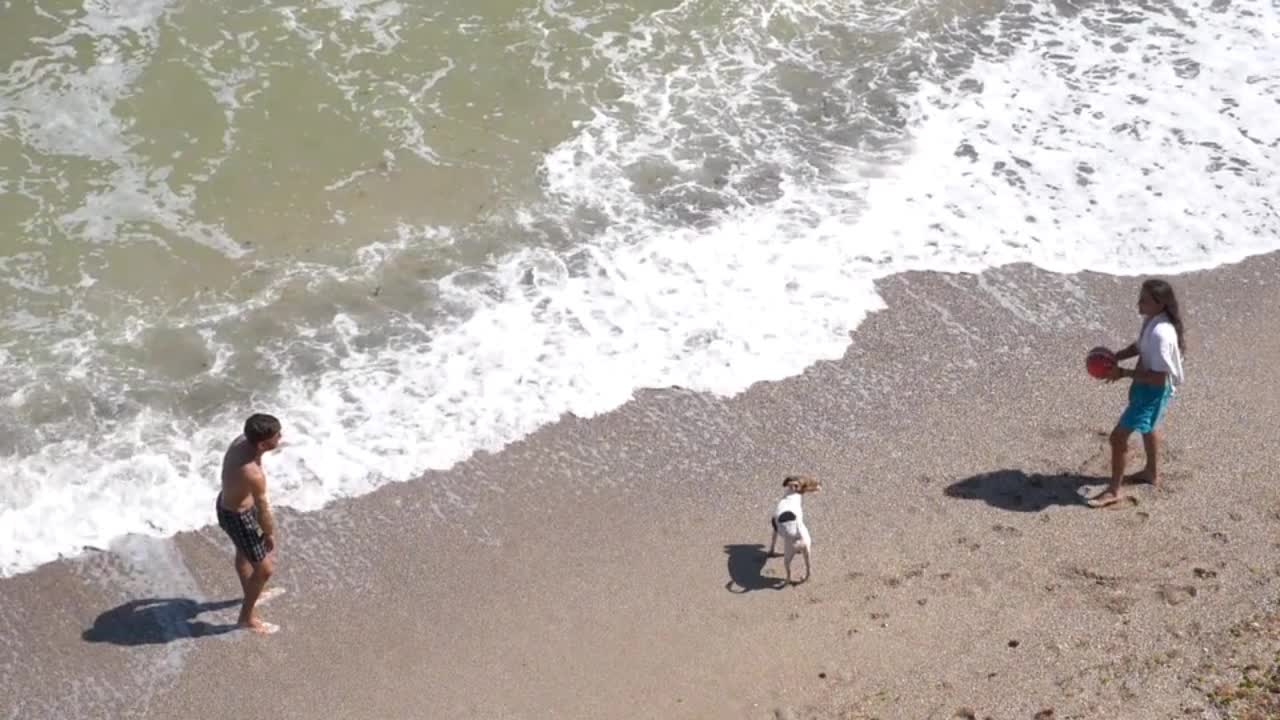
(710, 265)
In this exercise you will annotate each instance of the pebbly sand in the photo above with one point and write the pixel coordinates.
(610, 567)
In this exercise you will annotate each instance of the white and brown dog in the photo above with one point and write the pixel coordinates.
(788, 521)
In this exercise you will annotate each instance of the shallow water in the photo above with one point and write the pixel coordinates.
(413, 233)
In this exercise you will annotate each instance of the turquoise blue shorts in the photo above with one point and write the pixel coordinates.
(1146, 405)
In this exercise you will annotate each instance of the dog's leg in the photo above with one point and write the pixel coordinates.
(773, 539)
(807, 570)
(789, 552)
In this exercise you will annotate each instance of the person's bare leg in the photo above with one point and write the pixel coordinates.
(1151, 444)
(1119, 448)
(1148, 474)
(244, 569)
(253, 589)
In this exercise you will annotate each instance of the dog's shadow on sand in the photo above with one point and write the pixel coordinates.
(745, 563)
(1018, 491)
(155, 621)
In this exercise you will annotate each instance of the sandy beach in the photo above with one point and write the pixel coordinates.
(612, 567)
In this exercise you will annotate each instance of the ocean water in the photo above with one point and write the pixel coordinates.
(416, 232)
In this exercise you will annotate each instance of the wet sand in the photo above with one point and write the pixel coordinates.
(611, 567)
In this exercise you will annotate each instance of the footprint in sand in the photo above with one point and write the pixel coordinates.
(1083, 573)
(1119, 604)
(1176, 594)
(1106, 591)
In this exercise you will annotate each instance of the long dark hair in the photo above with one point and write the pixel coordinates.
(1162, 292)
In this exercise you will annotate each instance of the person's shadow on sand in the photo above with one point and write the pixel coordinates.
(157, 620)
(1019, 492)
(745, 563)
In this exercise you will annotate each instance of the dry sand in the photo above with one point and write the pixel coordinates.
(610, 567)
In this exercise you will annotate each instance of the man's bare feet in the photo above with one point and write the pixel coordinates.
(260, 626)
(1106, 499)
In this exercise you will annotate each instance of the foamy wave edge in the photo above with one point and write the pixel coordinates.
(758, 295)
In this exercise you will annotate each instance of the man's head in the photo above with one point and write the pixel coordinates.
(262, 431)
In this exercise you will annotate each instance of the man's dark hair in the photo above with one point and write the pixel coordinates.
(261, 426)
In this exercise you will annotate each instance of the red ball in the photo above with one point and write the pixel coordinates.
(1100, 362)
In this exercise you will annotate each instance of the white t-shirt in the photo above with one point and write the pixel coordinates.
(1158, 348)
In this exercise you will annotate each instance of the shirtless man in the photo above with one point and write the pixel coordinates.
(245, 515)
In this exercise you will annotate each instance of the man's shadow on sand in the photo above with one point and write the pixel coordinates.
(1017, 491)
(154, 621)
(745, 563)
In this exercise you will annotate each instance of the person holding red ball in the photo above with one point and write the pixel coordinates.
(1158, 372)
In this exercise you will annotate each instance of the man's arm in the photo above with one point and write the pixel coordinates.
(258, 486)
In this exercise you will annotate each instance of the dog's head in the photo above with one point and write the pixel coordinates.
(801, 484)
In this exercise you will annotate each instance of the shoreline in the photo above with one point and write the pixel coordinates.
(607, 568)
